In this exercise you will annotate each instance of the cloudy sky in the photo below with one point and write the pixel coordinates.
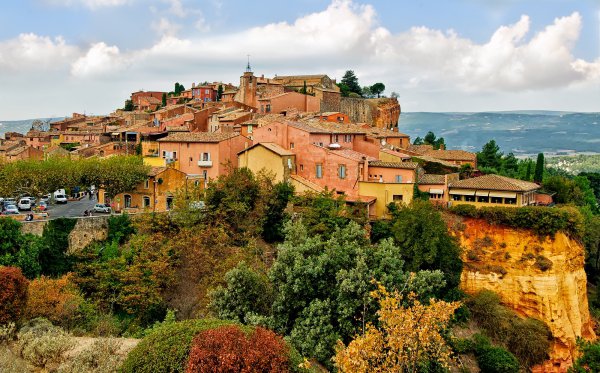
(64, 56)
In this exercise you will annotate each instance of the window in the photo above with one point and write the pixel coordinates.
(127, 201)
(469, 198)
(319, 171)
(169, 203)
(483, 199)
(398, 178)
(496, 199)
(191, 159)
(146, 202)
(205, 157)
(205, 175)
(291, 145)
(174, 155)
(164, 154)
(268, 108)
(342, 171)
(456, 197)
(301, 167)
(397, 198)
(207, 91)
(334, 138)
(348, 138)
(147, 184)
(510, 201)
(249, 128)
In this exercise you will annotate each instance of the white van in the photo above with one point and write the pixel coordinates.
(24, 204)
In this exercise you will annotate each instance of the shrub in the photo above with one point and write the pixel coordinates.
(9, 363)
(589, 360)
(101, 357)
(529, 340)
(13, 294)
(58, 300)
(7, 332)
(40, 343)
(542, 263)
(229, 349)
(542, 220)
(497, 360)
(167, 348)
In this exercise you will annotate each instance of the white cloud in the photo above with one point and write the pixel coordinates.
(100, 59)
(31, 51)
(92, 4)
(431, 69)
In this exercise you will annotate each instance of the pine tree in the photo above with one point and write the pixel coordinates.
(219, 92)
(538, 176)
(164, 99)
(528, 172)
(351, 81)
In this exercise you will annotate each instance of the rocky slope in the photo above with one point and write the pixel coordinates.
(537, 277)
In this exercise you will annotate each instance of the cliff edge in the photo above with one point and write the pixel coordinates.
(543, 278)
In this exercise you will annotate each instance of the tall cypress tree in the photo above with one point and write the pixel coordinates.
(538, 176)
(528, 172)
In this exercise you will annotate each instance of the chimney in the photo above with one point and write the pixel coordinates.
(365, 169)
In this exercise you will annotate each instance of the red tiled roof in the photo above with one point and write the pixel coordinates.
(198, 136)
(431, 179)
(403, 165)
(495, 182)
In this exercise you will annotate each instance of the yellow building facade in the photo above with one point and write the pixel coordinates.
(386, 193)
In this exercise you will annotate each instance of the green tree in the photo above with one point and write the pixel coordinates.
(219, 92)
(528, 172)
(164, 99)
(322, 285)
(366, 92)
(128, 105)
(275, 216)
(304, 90)
(377, 89)
(351, 81)
(418, 141)
(424, 241)
(247, 294)
(490, 156)
(510, 165)
(589, 360)
(538, 176)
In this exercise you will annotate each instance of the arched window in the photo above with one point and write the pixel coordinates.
(127, 201)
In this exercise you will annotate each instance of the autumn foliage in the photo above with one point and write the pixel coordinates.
(13, 294)
(57, 300)
(229, 349)
(409, 337)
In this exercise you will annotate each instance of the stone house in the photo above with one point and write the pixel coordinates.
(208, 154)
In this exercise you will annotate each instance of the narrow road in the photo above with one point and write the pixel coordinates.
(72, 209)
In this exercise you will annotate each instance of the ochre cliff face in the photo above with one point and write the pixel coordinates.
(540, 278)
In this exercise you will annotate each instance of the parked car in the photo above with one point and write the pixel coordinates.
(99, 207)
(24, 204)
(45, 198)
(60, 198)
(11, 210)
(41, 207)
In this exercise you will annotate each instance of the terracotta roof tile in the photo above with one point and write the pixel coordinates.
(431, 179)
(452, 155)
(495, 182)
(318, 126)
(403, 165)
(198, 136)
(352, 154)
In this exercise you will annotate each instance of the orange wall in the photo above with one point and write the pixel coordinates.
(291, 100)
(389, 174)
(188, 154)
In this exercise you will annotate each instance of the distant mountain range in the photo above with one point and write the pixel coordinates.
(20, 126)
(523, 132)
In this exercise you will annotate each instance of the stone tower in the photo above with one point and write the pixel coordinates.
(247, 92)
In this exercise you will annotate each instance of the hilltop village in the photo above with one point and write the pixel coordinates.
(300, 128)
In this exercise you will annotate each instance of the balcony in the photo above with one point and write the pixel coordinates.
(205, 163)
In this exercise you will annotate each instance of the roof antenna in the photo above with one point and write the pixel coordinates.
(248, 69)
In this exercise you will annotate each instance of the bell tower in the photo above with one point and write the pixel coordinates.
(247, 91)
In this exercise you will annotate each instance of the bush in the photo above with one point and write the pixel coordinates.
(528, 339)
(7, 333)
(58, 300)
(589, 360)
(101, 357)
(542, 220)
(497, 360)
(9, 363)
(230, 349)
(13, 293)
(167, 348)
(542, 263)
(40, 343)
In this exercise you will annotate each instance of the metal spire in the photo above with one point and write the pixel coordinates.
(248, 69)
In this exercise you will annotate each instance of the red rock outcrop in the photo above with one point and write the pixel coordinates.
(536, 277)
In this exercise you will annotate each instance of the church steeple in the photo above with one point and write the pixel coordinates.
(248, 69)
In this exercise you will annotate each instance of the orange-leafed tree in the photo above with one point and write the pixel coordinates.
(230, 349)
(58, 300)
(407, 339)
(13, 294)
